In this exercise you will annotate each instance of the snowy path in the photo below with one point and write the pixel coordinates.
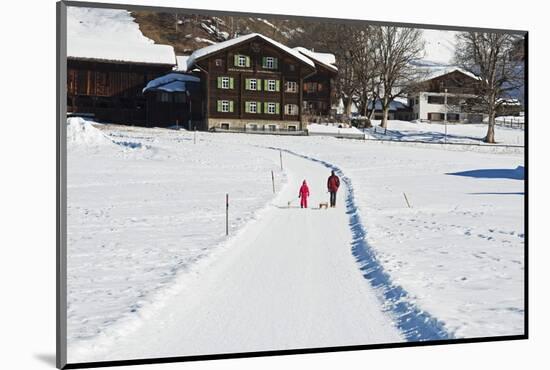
(288, 281)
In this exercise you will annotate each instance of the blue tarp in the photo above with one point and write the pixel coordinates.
(174, 82)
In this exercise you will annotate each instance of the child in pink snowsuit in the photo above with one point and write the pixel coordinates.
(303, 194)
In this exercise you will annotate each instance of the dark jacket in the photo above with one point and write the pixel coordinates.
(333, 183)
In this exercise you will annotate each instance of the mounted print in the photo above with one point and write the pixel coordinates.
(239, 184)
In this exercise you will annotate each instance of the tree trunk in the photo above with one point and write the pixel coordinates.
(385, 112)
(347, 109)
(490, 137)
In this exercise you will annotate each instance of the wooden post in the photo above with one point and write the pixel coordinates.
(195, 136)
(226, 214)
(408, 204)
(281, 158)
(273, 181)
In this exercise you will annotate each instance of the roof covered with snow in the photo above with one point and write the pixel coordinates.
(326, 59)
(173, 82)
(209, 50)
(434, 72)
(113, 35)
(181, 63)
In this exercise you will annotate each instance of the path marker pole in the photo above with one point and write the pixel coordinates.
(195, 137)
(281, 158)
(406, 200)
(273, 181)
(226, 214)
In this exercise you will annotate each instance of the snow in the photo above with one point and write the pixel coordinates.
(152, 274)
(315, 129)
(201, 53)
(435, 133)
(438, 71)
(181, 63)
(326, 59)
(111, 34)
(173, 82)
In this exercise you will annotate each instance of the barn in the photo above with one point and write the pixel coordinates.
(109, 63)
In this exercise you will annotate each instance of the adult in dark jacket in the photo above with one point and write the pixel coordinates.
(333, 183)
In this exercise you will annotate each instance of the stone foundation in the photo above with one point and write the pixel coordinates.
(252, 125)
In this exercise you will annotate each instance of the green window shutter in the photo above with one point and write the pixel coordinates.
(247, 83)
(258, 107)
(275, 63)
(236, 60)
(265, 85)
(265, 107)
(264, 62)
(247, 107)
(231, 82)
(219, 105)
(276, 108)
(219, 82)
(247, 62)
(259, 84)
(231, 106)
(277, 85)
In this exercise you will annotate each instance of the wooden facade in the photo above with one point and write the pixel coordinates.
(253, 85)
(318, 93)
(110, 91)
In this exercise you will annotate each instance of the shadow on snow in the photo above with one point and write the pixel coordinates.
(513, 174)
(414, 323)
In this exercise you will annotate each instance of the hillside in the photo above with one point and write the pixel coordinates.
(189, 32)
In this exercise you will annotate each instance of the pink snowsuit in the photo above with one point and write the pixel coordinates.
(303, 194)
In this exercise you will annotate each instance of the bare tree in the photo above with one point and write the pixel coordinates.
(367, 72)
(493, 58)
(396, 51)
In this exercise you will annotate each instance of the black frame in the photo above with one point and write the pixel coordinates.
(61, 186)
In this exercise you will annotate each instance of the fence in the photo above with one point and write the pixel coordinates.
(512, 122)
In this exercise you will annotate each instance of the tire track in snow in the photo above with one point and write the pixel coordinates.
(415, 323)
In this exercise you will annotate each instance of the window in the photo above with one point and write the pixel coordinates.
(270, 85)
(253, 84)
(252, 107)
(291, 67)
(291, 109)
(271, 108)
(225, 106)
(453, 117)
(219, 63)
(226, 82)
(291, 86)
(224, 126)
(272, 127)
(269, 63)
(291, 128)
(253, 126)
(241, 61)
(436, 99)
(310, 87)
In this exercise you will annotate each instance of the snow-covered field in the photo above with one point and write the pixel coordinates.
(145, 206)
(435, 133)
(146, 217)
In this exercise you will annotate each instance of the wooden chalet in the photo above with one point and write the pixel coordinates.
(109, 62)
(319, 88)
(252, 83)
